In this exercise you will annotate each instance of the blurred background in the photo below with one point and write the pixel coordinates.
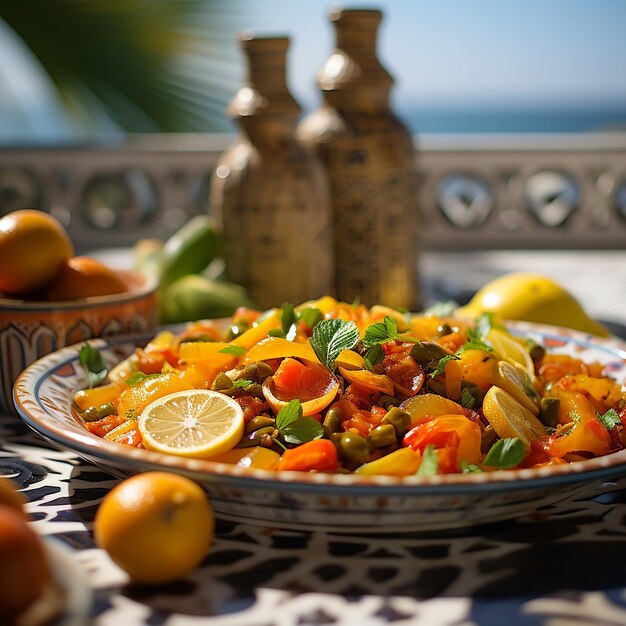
(75, 71)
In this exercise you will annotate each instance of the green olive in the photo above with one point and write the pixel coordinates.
(399, 419)
(259, 421)
(93, 413)
(388, 401)
(536, 351)
(261, 437)
(222, 382)
(549, 411)
(425, 352)
(332, 420)
(352, 447)
(256, 372)
(487, 439)
(438, 387)
(444, 329)
(383, 435)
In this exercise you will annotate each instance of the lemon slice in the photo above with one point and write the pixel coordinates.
(510, 349)
(509, 418)
(196, 423)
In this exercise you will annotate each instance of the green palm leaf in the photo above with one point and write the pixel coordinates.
(148, 65)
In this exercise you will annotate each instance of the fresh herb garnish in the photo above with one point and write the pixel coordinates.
(93, 364)
(380, 332)
(234, 350)
(610, 419)
(443, 308)
(430, 462)
(467, 399)
(441, 364)
(242, 383)
(470, 468)
(373, 356)
(332, 336)
(309, 316)
(288, 322)
(296, 428)
(136, 377)
(505, 453)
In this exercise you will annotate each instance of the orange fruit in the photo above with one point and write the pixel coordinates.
(135, 398)
(156, 526)
(24, 570)
(33, 247)
(10, 497)
(84, 277)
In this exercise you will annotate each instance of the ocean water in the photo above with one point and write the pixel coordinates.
(511, 120)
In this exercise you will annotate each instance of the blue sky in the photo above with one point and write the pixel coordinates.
(482, 52)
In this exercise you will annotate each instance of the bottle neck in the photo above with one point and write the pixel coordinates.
(265, 92)
(353, 72)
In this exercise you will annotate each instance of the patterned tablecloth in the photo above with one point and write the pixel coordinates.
(565, 565)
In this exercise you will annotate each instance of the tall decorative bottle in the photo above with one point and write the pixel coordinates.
(370, 160)
(269, 192)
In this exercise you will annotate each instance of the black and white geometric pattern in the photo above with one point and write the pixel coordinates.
(565, 565)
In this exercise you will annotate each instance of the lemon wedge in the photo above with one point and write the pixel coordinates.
(509, 418)
(518, 382)
(196, 423)
(508, 348)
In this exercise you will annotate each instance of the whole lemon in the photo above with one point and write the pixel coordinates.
(532, 298)
(33, 247)
(157, 526)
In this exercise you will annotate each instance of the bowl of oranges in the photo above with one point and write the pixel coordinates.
(50, 297)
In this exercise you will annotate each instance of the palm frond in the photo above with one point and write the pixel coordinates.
(149, 65)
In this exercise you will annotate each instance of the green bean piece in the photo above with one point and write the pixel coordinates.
(399, 419)
(383, 435)
(549, 411)
(95, 413)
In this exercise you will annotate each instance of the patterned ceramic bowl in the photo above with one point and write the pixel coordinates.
(30, 330)
(333, 502)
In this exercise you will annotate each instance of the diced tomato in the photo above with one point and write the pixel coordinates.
(102, 426)
(454, 432)
(407, 375)
(251, 406)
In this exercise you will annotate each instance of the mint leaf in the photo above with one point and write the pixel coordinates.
(288, 320)
(234, 350)
(380, 332)
(137, 377)
(610, 419)
(467, 399)
(332, 336)
(309, 316)
(93, 364)
(430, 462)
(373, 356)
(242, 383)
(443, 308)
(441, 364)
(505, 453)
(483, 325)
(288, 414)
(301, 430)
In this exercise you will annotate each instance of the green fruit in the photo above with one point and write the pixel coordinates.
(195, 297)
(189, 250)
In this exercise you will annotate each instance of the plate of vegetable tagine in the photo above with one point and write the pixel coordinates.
(340, 417)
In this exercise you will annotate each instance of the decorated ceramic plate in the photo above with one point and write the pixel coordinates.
(335, 502)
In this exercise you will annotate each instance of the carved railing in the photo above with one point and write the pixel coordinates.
(478, 192)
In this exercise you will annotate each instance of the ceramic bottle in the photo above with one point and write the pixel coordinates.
(370, 160)
(269, 192)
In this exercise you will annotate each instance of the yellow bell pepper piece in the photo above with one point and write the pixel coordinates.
(400, 462)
